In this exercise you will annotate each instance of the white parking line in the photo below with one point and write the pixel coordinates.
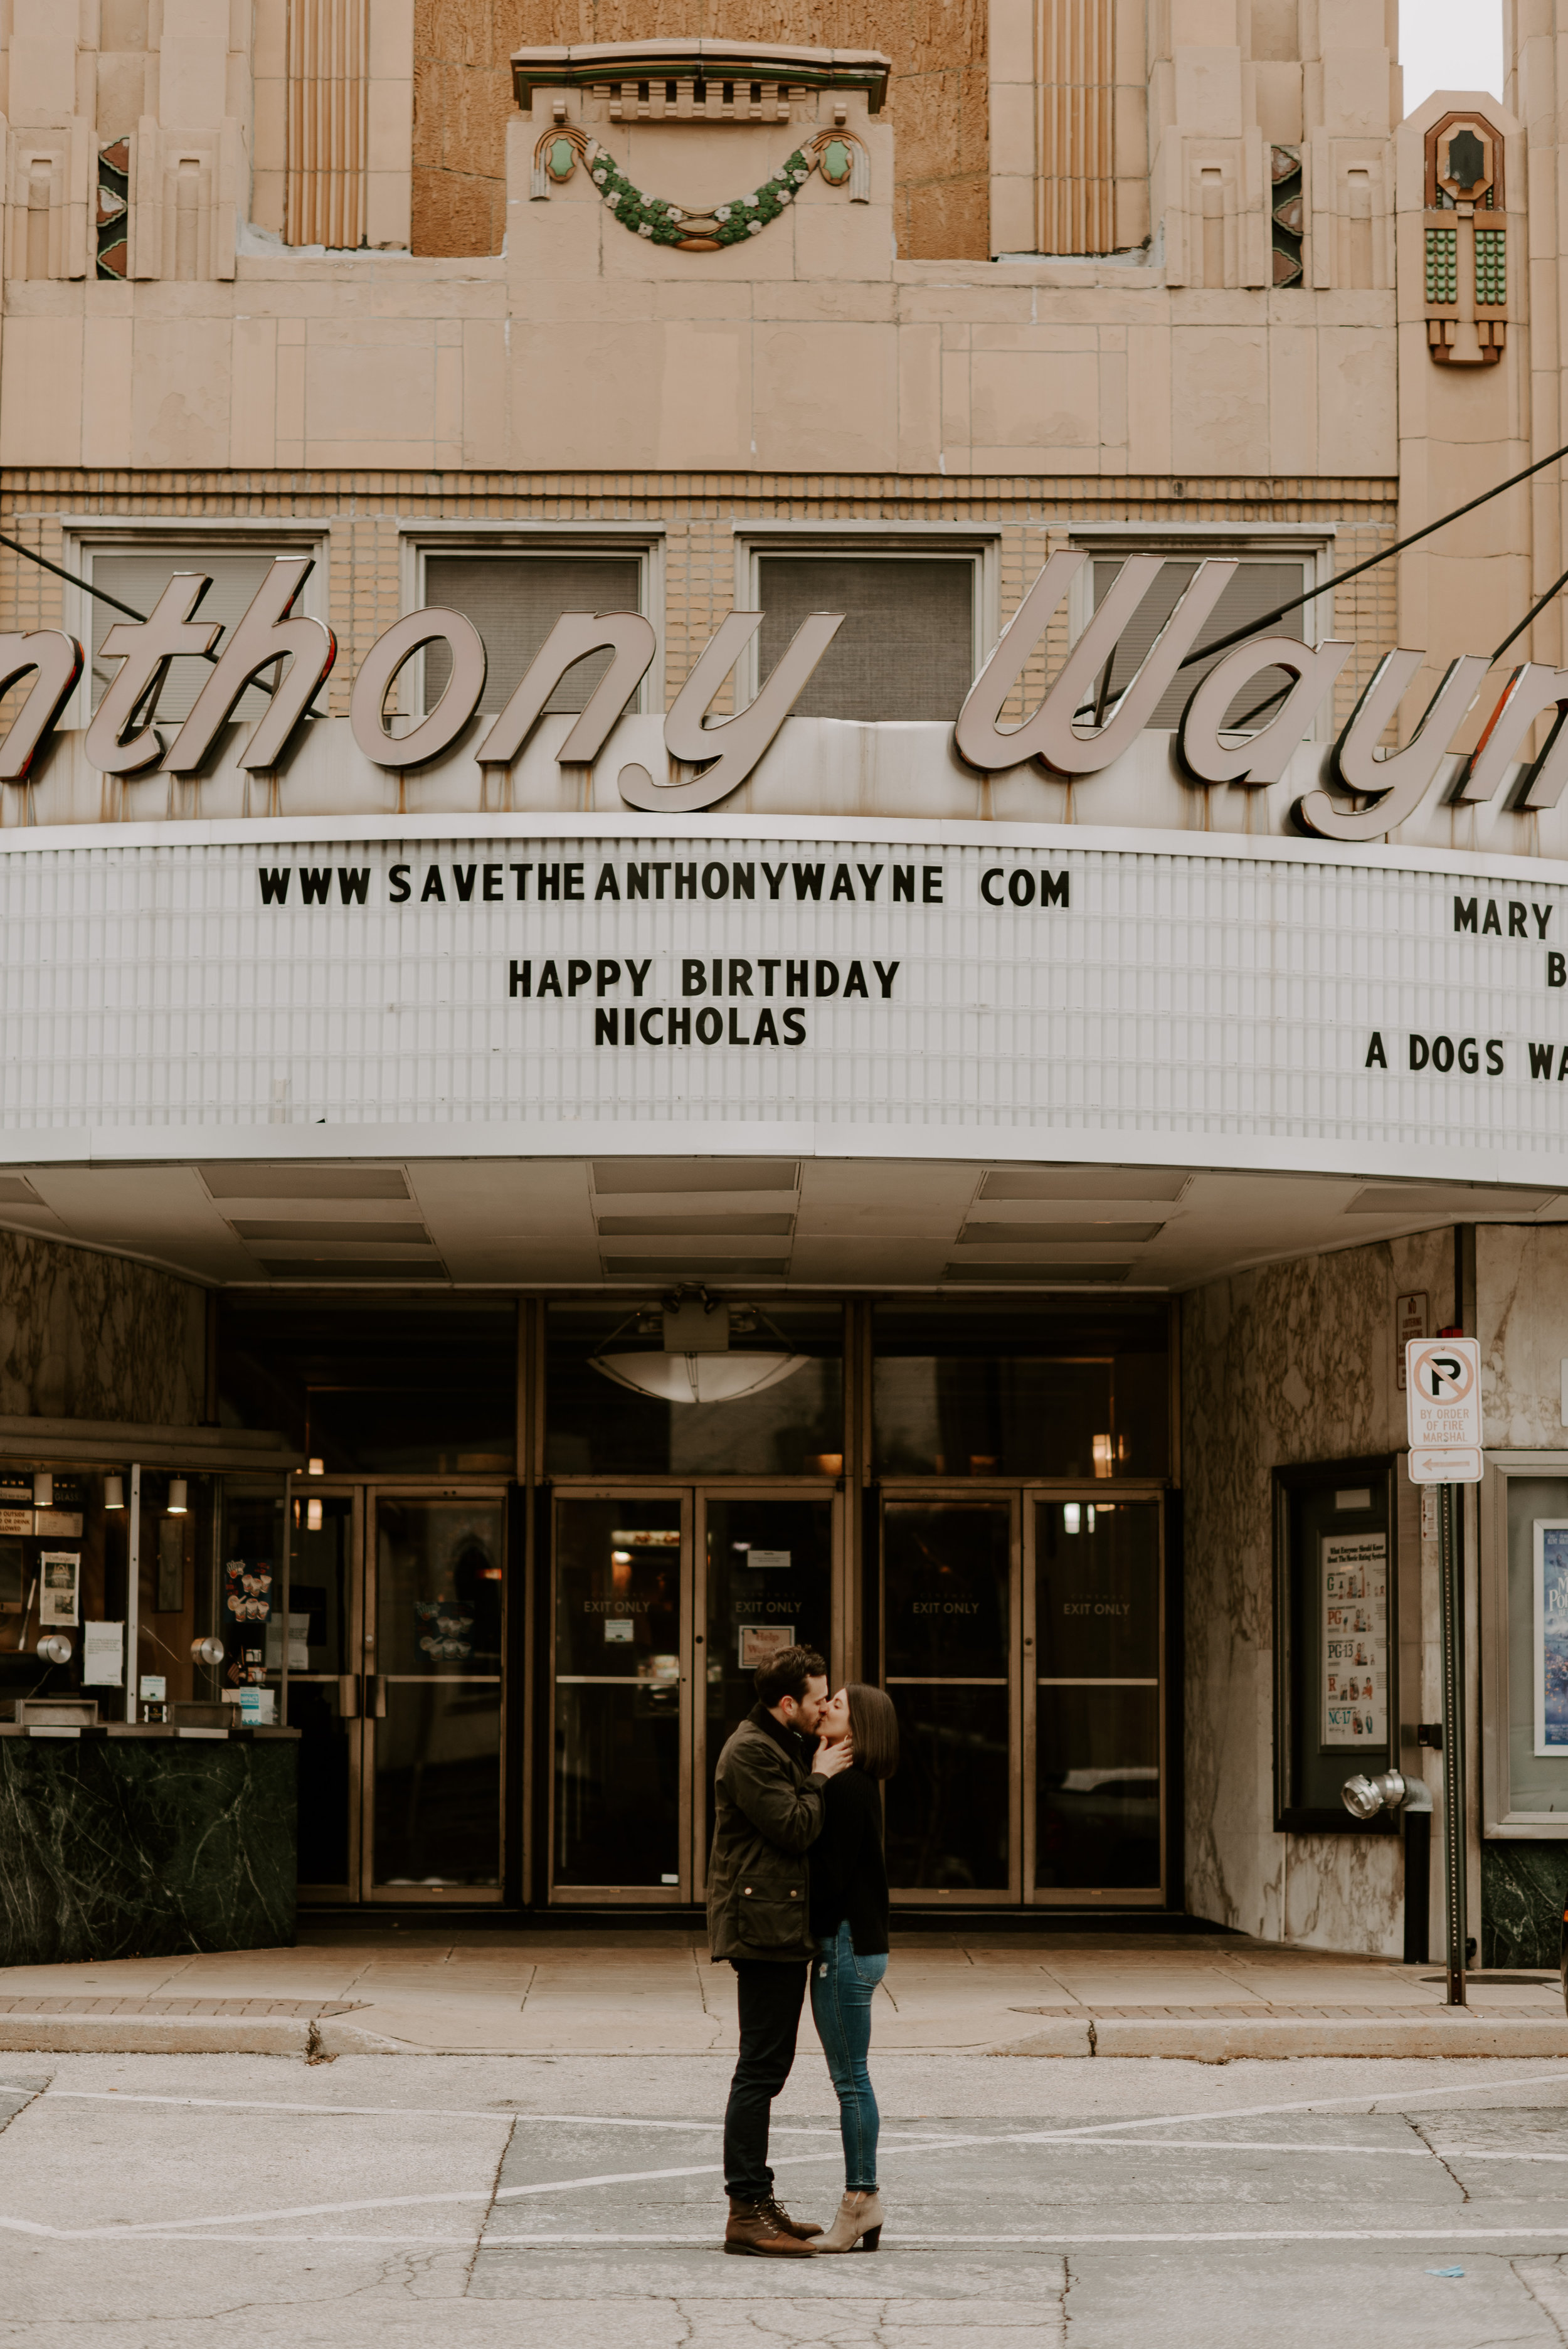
(386, 2111)
(1093, 2133)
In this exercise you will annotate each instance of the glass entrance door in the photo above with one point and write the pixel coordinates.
(1094, 1701)
(394, 1626)
(664, 1602)
(950, 1643)
(1023, 1644)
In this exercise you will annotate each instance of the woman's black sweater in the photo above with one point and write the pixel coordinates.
(849, 1873)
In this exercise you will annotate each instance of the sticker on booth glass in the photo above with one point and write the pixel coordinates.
(60, 1572)
(769, 1561)
(617, 1631)
(760, 1642)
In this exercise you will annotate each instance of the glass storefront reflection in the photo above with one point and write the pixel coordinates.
(617, 1693)
(947, 1615)
(64, 1566)
(947, 1566)
(439, 1584)
(770, 1586)
(438, 1774)
(597, 1426)
(1097, 1727)
(1014, 1391)
(315, 1632)
(437, 1717)
(948, 1806)
(1097, 1788)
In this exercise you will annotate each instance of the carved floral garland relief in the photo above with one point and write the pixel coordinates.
(837, 154)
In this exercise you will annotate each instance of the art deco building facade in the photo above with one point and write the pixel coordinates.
(577, 1107)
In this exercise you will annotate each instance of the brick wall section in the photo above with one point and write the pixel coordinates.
(1035, 518)
(937, 100)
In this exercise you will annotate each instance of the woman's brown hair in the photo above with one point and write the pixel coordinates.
(873, 1729)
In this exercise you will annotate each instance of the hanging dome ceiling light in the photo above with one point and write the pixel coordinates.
(699, 1378)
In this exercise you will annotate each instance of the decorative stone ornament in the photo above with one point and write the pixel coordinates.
(838, 154)
(556, 156)
(1464, 283)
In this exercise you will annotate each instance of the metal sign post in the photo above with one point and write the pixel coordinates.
(1442, 1395)
(1453, 1633)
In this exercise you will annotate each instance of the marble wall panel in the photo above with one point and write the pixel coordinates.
(121, 1848)
(1289, 1363)
(1522, 1320)
(88, 1336)
(1522, 1895)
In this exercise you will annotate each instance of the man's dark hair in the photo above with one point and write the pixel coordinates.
(787, 1673)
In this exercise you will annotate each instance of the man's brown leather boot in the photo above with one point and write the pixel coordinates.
(754, 2233)
(801, 2229)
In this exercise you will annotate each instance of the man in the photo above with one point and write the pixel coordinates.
(769, 1813)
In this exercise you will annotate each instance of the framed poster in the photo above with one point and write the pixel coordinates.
(1551, 1675)
(1354, 1648)
(1336, 1639)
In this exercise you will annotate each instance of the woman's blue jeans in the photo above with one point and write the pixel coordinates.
(842, 1987)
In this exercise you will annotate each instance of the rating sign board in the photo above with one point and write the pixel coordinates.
(1442, 1403)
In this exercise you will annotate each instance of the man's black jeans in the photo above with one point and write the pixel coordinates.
(770, 1999)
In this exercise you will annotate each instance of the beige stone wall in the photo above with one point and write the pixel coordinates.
(369, 511)
(85, 1336)
(1291, 1363)
(937, 102)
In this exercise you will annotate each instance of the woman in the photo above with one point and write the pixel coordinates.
(848, 1918)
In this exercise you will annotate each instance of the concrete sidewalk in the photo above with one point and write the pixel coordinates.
(1214, 1997)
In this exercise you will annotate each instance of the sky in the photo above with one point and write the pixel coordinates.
(1449, 44)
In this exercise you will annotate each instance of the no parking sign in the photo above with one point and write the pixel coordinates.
(1443, 1404)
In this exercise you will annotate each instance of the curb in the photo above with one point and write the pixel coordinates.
(1445, 2031)
(1448, 2032)
(110, 2034)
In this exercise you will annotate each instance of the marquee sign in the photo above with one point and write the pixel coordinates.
(1258, 1003)
(1362, 795)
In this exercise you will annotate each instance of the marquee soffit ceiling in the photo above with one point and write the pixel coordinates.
(762, 1223)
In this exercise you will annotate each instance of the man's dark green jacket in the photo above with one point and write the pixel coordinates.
(770, 1812)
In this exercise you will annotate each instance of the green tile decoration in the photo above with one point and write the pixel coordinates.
(1490, 264)
(1443, 264)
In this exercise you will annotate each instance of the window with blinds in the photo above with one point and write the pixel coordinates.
(137, 576)
(906, 649)
(1257, 588)
(514, 601)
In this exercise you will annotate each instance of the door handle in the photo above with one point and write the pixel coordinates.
(376, 1696)
(348, 1696)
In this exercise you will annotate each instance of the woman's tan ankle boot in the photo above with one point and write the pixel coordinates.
(858, 2226)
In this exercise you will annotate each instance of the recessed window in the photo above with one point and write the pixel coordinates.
(906, 649)
(514, 601)
(1259, 586)
(137, 576)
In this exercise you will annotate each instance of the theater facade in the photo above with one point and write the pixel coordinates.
(750, 895)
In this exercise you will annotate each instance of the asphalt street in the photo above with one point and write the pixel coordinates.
(160, 2202)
